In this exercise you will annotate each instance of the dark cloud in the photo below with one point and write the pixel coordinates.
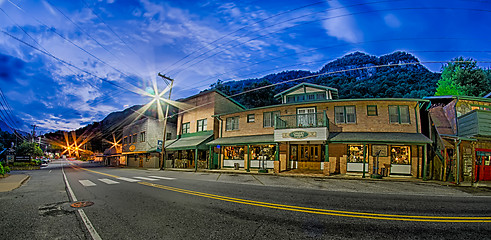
(10, 68)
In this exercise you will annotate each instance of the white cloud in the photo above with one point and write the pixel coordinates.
(392, 21)
(340, 24)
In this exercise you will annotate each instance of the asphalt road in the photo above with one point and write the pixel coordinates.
(182, 205)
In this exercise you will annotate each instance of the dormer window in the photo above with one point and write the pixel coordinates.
(307, 92)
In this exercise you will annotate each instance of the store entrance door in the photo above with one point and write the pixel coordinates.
(309, 157)
(483, 165)
(140, 162)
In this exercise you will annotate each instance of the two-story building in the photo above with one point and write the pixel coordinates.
(314, 131)
(141, 139)
(460, 127)
(196, 127)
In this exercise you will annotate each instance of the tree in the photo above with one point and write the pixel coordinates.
(29, 149)
(462, 77)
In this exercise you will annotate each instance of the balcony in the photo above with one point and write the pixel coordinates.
(308, 120)
(475, 123)
(301, 127)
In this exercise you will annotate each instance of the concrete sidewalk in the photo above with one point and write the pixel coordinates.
(12, 182)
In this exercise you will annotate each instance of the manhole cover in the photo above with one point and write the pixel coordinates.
(81, 204)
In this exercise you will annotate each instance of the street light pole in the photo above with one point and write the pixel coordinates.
(162, 162)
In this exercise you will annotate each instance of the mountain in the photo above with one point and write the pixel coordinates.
(356, 75)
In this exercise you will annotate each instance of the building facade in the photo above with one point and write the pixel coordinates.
(140, 142)
(313, 131)
(460, 128)
(196, 127)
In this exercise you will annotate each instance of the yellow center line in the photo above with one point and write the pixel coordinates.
(379, 216)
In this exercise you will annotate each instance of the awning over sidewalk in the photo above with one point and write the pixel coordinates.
(242, 140)
(193, 142)
(378, 137)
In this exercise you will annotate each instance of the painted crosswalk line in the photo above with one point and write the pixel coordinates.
(108, 181)
(87, 183)
(128, 179)
(146, 178)
(165, 178)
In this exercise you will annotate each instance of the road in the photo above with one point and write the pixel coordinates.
(148, 204)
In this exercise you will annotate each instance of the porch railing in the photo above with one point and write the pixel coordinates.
(308, 120)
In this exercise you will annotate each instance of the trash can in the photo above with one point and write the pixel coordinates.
(236, 166)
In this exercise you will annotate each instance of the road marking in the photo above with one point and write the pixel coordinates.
(165, 178)
(362, 215)
(87, 183)
(108, 181)
(93, 233)
(326, 211)
(145, 178)
(128, 179)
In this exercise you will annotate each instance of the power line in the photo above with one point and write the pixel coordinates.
(76, 45)
(324, 19)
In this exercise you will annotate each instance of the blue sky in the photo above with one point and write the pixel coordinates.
(64, 64)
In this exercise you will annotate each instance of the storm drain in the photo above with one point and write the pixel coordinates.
(81, 204)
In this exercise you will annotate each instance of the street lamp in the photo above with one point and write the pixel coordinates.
(162, 158)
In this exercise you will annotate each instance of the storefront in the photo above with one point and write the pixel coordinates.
(483, 165)
(189, 151)
(379, 153)
(247, 152)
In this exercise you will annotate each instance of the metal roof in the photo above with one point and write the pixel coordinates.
(378, 137)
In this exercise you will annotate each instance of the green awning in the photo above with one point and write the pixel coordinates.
(242, 140)
(193, 142)
(378, 137)
(169, 142)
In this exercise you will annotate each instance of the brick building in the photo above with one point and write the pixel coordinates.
(314, 131)
(196, 127)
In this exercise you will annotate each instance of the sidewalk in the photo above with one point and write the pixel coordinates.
(12, 182)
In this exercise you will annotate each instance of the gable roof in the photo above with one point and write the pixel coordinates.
(211, 91)
(302, 85)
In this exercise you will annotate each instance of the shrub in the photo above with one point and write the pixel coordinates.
(3, 169)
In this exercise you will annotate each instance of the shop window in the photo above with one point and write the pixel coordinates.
(201, 125)
(233, 153)
(168, 136)
(478, 107)
(185, 128)
(269, 117)
(372, 110)
(260, 152)
(400, 155)
(129, 139)
(399, 114)
(135, 137)
(345, 114)
(232, 123)
(355, 154)
(251, 118)
(142, 137)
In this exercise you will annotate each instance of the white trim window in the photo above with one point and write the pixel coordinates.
(232, 123)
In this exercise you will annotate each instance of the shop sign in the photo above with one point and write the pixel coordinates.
(22, 158)
(312, 134)
(299, 134)
(379, 148)
(159, 146)
(132, 148)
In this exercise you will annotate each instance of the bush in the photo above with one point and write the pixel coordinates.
(3, 169)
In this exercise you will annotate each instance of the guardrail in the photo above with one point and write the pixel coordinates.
(308, 120)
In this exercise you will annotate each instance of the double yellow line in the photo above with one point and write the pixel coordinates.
(392, 217)
(326, 211)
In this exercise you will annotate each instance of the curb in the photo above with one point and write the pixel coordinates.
(9, 186)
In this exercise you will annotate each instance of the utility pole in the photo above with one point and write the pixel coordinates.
(33, 132)
(162, 158)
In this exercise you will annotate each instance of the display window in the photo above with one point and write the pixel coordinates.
(260, 152)
(233, 153)
(355, 154)
(400, 155)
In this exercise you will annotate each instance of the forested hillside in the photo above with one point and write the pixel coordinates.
(356, 75)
